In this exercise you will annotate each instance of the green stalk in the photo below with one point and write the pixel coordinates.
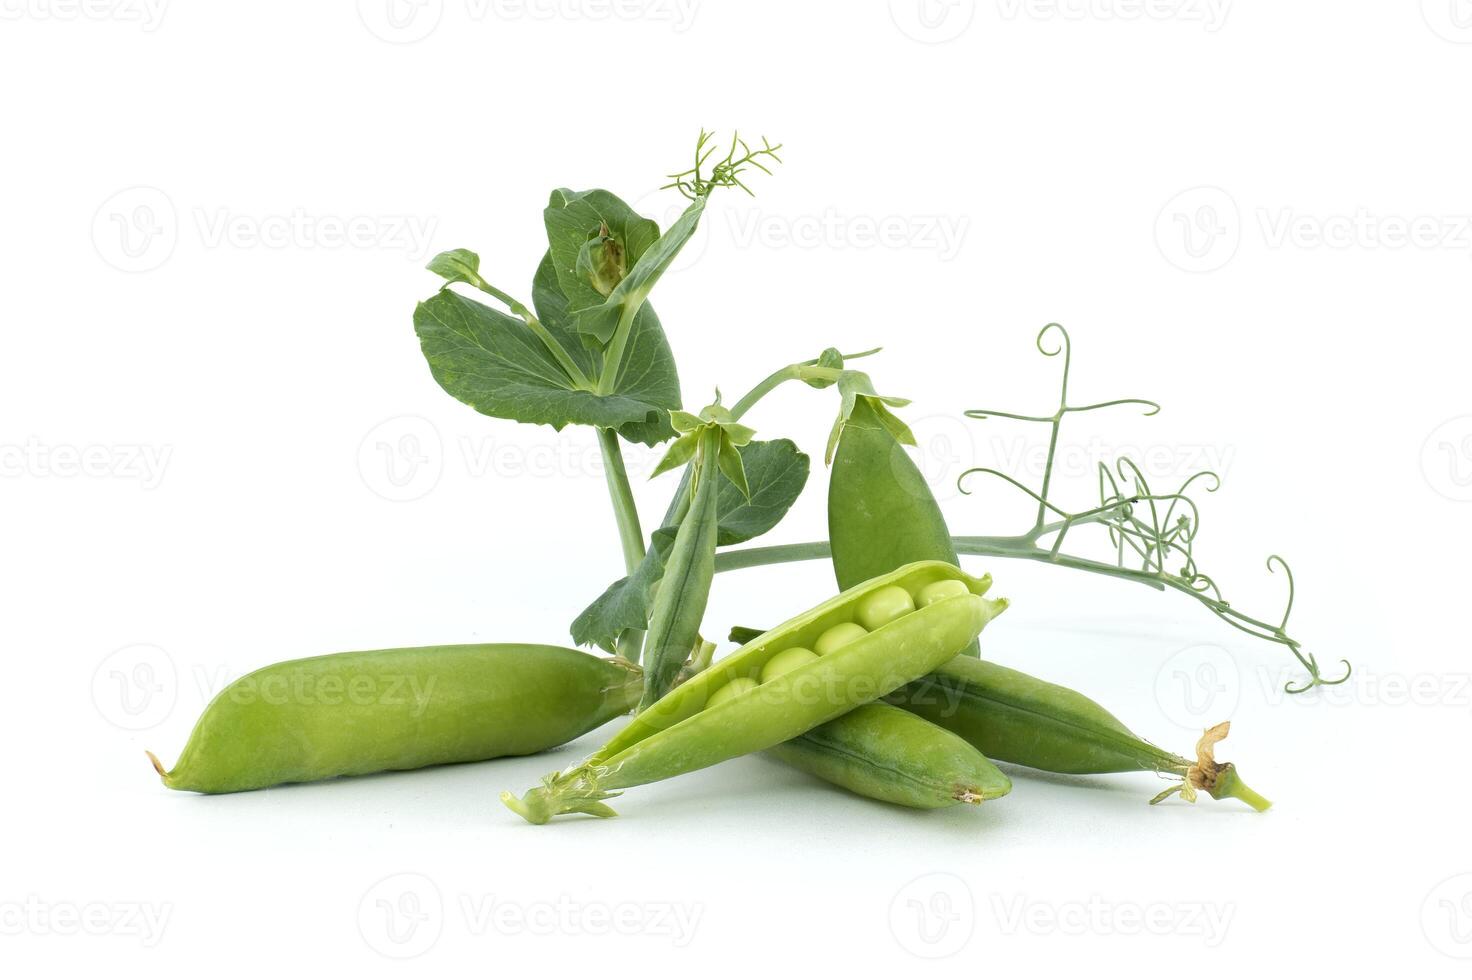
(630, 536)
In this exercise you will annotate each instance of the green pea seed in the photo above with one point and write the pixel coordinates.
(735, 687)
(787, 661)
(936, 591)
(675, 735)
(838, 636)
(886, 605)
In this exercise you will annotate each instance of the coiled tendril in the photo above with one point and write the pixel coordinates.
(1152, 534)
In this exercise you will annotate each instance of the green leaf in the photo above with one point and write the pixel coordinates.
(776, 472)
(729, 460)
(681, 451)
(625, 604)
(456, 265)
(496, 365)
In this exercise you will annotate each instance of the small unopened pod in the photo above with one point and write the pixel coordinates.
(1013, 717)
(684, 731)
(347, 714)
(886, 753)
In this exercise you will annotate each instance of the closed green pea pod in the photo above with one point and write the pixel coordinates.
(349, 714)
(680, 734)
(881, 513)
(884, 753)
(1012, 717)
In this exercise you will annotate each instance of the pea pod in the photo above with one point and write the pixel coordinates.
(679, 734)
(1012, 717)
(674, 625)
(881, 513)
(879, 751)
(348, 714)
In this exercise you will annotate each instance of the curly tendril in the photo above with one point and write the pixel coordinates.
(1148, 532)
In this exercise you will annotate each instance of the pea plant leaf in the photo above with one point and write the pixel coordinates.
(492, 362)
(648, 372)
(776, 472)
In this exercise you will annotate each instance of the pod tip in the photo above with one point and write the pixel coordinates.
(158, 767)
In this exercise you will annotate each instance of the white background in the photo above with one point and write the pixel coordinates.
(1215, 200)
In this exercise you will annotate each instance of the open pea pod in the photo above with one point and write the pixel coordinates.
(690, 728)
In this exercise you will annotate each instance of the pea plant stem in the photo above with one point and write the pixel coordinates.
(630, 535)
